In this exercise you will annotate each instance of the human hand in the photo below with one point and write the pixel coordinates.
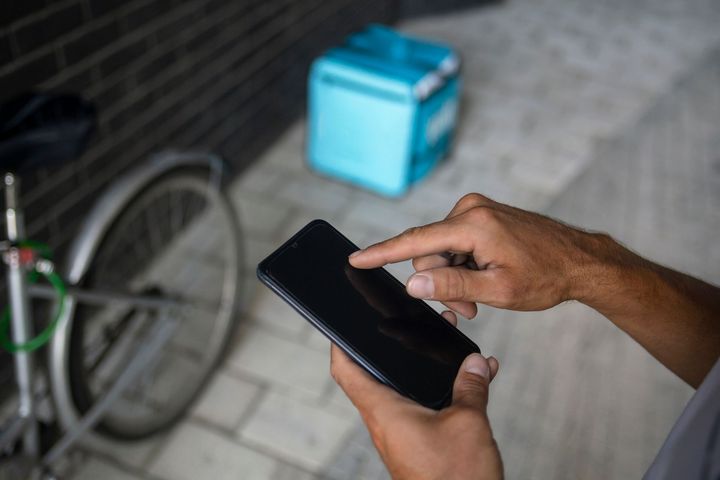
(501, 256)
(419, 443)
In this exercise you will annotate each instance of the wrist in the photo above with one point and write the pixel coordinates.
(604, 271)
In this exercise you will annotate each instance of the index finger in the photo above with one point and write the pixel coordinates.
(445, 236)
(466, 203)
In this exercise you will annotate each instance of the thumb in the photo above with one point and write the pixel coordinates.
(472, 383)
(448, 284)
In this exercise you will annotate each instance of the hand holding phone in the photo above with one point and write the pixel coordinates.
(400, 340)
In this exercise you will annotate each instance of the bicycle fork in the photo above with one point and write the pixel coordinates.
(22, 329)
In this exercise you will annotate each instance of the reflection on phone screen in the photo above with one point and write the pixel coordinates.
(400, 336)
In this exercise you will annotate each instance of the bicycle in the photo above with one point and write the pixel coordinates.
(146, 305)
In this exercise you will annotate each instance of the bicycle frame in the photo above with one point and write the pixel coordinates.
(25, 424)
(22, 329)
(82, 250)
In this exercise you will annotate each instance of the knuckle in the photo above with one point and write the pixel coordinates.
(455, 285)
(481, 214)
(412, 232)
(475, 384)
(417, 263)
(471, 199)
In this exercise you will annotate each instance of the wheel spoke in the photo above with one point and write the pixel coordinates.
(175, 240)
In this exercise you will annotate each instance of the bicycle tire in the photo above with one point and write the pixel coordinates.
(126, 420)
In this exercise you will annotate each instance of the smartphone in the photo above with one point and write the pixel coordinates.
(399, 339)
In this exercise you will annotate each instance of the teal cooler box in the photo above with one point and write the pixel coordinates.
(382, 109)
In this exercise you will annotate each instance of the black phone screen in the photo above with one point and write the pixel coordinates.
(402, 338)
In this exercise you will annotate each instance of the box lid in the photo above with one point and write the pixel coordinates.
(422, 82)
(384, 42)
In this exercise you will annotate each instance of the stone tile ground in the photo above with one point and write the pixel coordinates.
(605, 114)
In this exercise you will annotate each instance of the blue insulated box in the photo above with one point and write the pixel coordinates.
(382, 109)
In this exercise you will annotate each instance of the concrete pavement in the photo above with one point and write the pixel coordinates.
(604, 114)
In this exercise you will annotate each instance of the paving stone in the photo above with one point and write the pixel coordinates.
(593, 392)
(547, 176)
(260, 216)
(381, 213)
(134, 454)
(287, 155)
(259, 177)
(338, 402)
(296, 135)
(272, 312)
(300, 217)
(306, 435)
(256, 250)
(251, 287)
(281, 361)
(95, 469)
(316, 340)
(358, 460)
(195, 452)
(582, 109)
(314, 192)
(291, 472)
(226, 400)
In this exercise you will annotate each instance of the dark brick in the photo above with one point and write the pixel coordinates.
(107, 97)
(214, 5)
(6, 54)
(67, 231)
(179, 79)
(39, 230)
(82, 203)
(156, 66)
(230, 84)
(90, 42)
(415, 8)
(186, 132)
(46, 28)
(34, 210)
(122, 57)
(28, 75)
(242, 146)
(121, 153)
(102, 7)
(130, 112)
(147, 13)
(14, 10)
(77, 83)
(171, 31)
(203, 39)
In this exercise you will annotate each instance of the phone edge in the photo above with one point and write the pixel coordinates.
(268, 281)
(326, 331)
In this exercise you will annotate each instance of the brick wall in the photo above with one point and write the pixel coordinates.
(218, 74)
(416, 8)
(225, 75)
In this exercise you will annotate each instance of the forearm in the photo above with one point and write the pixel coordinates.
(531, 262)
(673, 316)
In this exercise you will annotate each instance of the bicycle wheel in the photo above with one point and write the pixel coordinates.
(179, 239)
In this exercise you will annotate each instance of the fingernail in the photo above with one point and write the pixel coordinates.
(421, 286)
(477, 365)
(355, 253)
